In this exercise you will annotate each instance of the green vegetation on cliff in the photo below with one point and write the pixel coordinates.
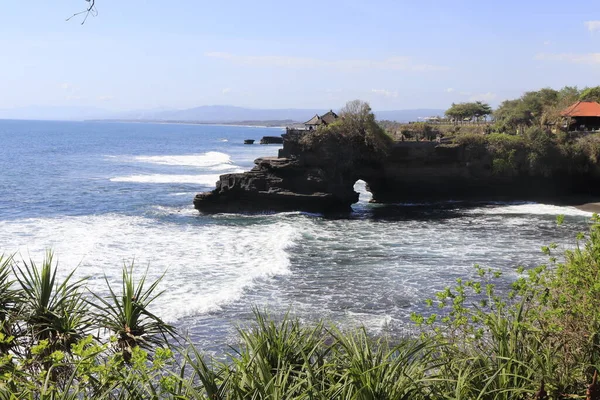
(538, 339)
(524, 137)
(355, 134)
(535, 153)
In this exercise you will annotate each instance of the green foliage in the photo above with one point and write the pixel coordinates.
(535, 153)
(587, 147)
(545, 329)
(540, 108)
(54, 312)
(356, 135)
(469, 111)
(127, 315)
(421, 131)
(590, 94)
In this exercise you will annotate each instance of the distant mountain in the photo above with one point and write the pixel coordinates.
(229, 114)
(204, 114)
(233, 114)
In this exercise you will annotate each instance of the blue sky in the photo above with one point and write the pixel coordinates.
(140, 54)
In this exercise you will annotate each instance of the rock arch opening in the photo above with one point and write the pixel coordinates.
(364, 195)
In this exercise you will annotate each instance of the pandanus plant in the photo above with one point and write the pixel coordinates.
(9, 302)
(127, 316)
(53, 311)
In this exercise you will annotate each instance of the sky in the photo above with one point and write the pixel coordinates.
(395, 54)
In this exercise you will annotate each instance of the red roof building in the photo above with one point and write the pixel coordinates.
(582, 109)
(582, 116)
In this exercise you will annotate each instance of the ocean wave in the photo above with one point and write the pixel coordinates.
(212, 159)
(208, 179)
(529, 209)
(208, 266)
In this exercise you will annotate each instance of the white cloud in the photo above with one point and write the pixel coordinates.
(449, 90)
(547, 43)
(67, 86)
(489, 96)
(592, 26)
(587, 58)
(392, 63)
(226, 90)
(105, 98)
(385, 93)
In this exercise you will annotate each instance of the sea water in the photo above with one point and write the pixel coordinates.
(102, 195)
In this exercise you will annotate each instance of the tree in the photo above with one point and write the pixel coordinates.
(540, 108)
(590, 94)
(473, 110)
(512, 115)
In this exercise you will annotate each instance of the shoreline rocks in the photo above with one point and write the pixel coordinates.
(322, 179)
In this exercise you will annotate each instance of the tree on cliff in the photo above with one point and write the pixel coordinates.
(537, 108)
(355, 134)
(470, 111)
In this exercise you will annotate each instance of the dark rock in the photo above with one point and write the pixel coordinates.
(271, 140)
(277, 184)
(249, 141)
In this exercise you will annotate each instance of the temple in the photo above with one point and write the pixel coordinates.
(322, 120)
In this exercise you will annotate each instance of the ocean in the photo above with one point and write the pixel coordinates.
(103, 194)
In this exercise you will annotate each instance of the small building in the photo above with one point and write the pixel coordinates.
(582, 116)
(321, 120)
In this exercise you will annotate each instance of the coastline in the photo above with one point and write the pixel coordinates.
(245, 124)
(589, 207)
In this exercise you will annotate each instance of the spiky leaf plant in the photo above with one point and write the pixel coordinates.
(53, 311)
(371, 369)
(9, 302)
(127, 315)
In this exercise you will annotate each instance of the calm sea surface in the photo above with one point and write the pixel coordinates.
(104, 194)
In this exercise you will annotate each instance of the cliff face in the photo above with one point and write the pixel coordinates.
(321, 179)
(417, 171)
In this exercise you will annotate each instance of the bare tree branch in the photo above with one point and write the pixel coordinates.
(91, 9)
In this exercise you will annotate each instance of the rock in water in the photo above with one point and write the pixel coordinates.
(271, 140)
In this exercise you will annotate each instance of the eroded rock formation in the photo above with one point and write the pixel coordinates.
(296, 180)
(321, 178)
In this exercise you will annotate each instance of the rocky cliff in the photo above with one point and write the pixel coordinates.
(321, 177)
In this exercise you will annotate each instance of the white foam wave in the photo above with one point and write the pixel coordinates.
(208, 179)
(208, 265)
(531, 209)
(373, 323)
(213, 160)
